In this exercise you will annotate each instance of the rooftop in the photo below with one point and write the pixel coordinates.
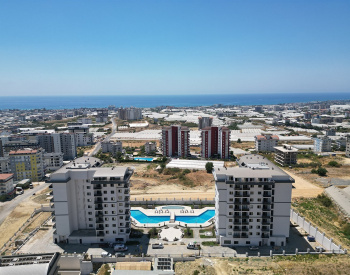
(23, 152)
(5, 177)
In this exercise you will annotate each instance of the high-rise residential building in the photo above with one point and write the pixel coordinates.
(91, 203)
(347, 149)
(102, 115)
(5, 165)
(215, 142)
(68, 146)
(176, 141)
(1, 149)
(322, 144)
(112, 147)
(266, 142)
(51, 143)
(82, 135)
(6, 186)
(204, 122)
(27, 164)
(252, 203)
(286, 155)
(53, 161)
(129, 113)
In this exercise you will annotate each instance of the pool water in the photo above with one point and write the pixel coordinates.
(144, 159)
(173, 207)
(142, 218)
(202, 218)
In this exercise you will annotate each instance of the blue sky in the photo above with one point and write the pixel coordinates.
(173, 47)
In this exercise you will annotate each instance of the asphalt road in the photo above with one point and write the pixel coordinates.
(98, 144)
(7, 207)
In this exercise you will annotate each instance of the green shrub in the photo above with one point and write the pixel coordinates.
(334, 163)
(324, 200)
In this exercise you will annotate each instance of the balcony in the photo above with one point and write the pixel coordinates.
(127, 205)
(267, 194)
(245, 194)
(245, 222)
(266, 208)
(245, 202)
(266, 215)
(126, 192)
(98, 207)
(97, 186)
(265, 236)
(265, 229)
(127, 198)
(100, 234)
(127, 212)
(98, 200)
(98, 194)
(245, 229)
(127, 218)
(237, 215)
(99, 220)
(266, 222)
(100, 227)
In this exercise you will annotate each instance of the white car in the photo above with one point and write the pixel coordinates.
(105, 254)
(120, 247)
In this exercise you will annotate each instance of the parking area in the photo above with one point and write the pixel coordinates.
(42, 242)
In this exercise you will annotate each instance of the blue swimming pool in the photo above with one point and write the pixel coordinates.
(144, 159)
(202, 218)
(142, 218)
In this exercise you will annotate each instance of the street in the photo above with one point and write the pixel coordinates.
(7, 207)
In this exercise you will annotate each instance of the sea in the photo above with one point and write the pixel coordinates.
(144, 101)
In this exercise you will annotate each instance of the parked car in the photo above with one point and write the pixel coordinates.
(311, 238)
(119, 254)
(254, 247)
(105, 254)
(157, 246)
(195, 246)
(319, 249)
(31, 186)
(120, 247)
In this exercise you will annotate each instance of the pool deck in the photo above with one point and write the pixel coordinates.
(173, 213)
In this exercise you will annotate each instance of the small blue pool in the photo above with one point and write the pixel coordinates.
(144, 159)
(202, 218)
(142, 218)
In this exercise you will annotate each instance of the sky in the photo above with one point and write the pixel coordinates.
(139, 47)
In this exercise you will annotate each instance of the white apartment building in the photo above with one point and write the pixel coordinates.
(150, 147)
(82, 135)
(112, 147)
(266, 142)
(252, 203)
(91, 204)
(347, 150)
(5, 165)
(53, 161)
(322, 144)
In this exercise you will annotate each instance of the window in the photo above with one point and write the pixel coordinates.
(258, 233)
(250, 227)
(247, 242)
(88, 193)
(250, 213)
(121, 217)
(114, 225)
(229, 233)
(112, 199)
(113, 212)
(90, 213)
(113, 219)
(259, 213)
(114, 232)
(258, 227)
(259, 199)
(106, 219)
(259, 193)
(105, 192)
(107, 232)
(112, 192)
(250, 233)
(235, 242)
(112, 205)
(107, 225)
(89, 200)
(104, 185)
(250, 220)
(91, 225)
(230, 206)
(251, 193)
(119, 190)
(88, 187)
(230, 220)
(106, 212)
(227, 241)
(259, 206)
(105, 205)
(90, 219)
(105, 198)
(89, 206)
(258, 220)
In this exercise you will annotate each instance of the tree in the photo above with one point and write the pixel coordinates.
(322, 171)
(209, 167)
(239, 140)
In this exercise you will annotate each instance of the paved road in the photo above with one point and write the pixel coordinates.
(7, 207)
(98, 145)
(341, 197)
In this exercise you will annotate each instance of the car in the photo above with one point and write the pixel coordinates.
(311, 238)
(319, 249)
(105, 254)
(119, 254)
(195, 246)
(253, 247)
(157, 246)
(120, 247)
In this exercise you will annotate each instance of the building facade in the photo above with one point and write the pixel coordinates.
(286, 155)
(266, 142)
(252, 203)
(322, 144)
(112, 147)
(91, 204)
(347, 149)
(6, 186)
(130, 113)
(53, 161)
(27, 164)
(150, 147)
(176, 141)
(215, 142)
(204, 122)
(5, 165)
(102, 116)
(68, 146)
(82, 135)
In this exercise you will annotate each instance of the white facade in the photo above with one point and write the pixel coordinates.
(322, 144)
(6, 185)
(91, 203)
(53, 161)
(347, 151)
(252, 203)
(112, 147)
(266, 143)
(150, 147)
(5, 165)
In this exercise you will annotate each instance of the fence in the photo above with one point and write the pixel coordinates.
(320, 237)
(174, 201)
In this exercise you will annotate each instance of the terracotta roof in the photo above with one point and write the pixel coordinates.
(21, 152)
(5, 176)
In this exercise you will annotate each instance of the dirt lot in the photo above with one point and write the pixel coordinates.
(243, 145)
(308, 264)
(136, 143)
(303, 188)
(18, 216)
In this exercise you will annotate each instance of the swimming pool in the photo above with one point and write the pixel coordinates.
(202, 218)
(144, 159)
(143, 218)
(173, 207)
